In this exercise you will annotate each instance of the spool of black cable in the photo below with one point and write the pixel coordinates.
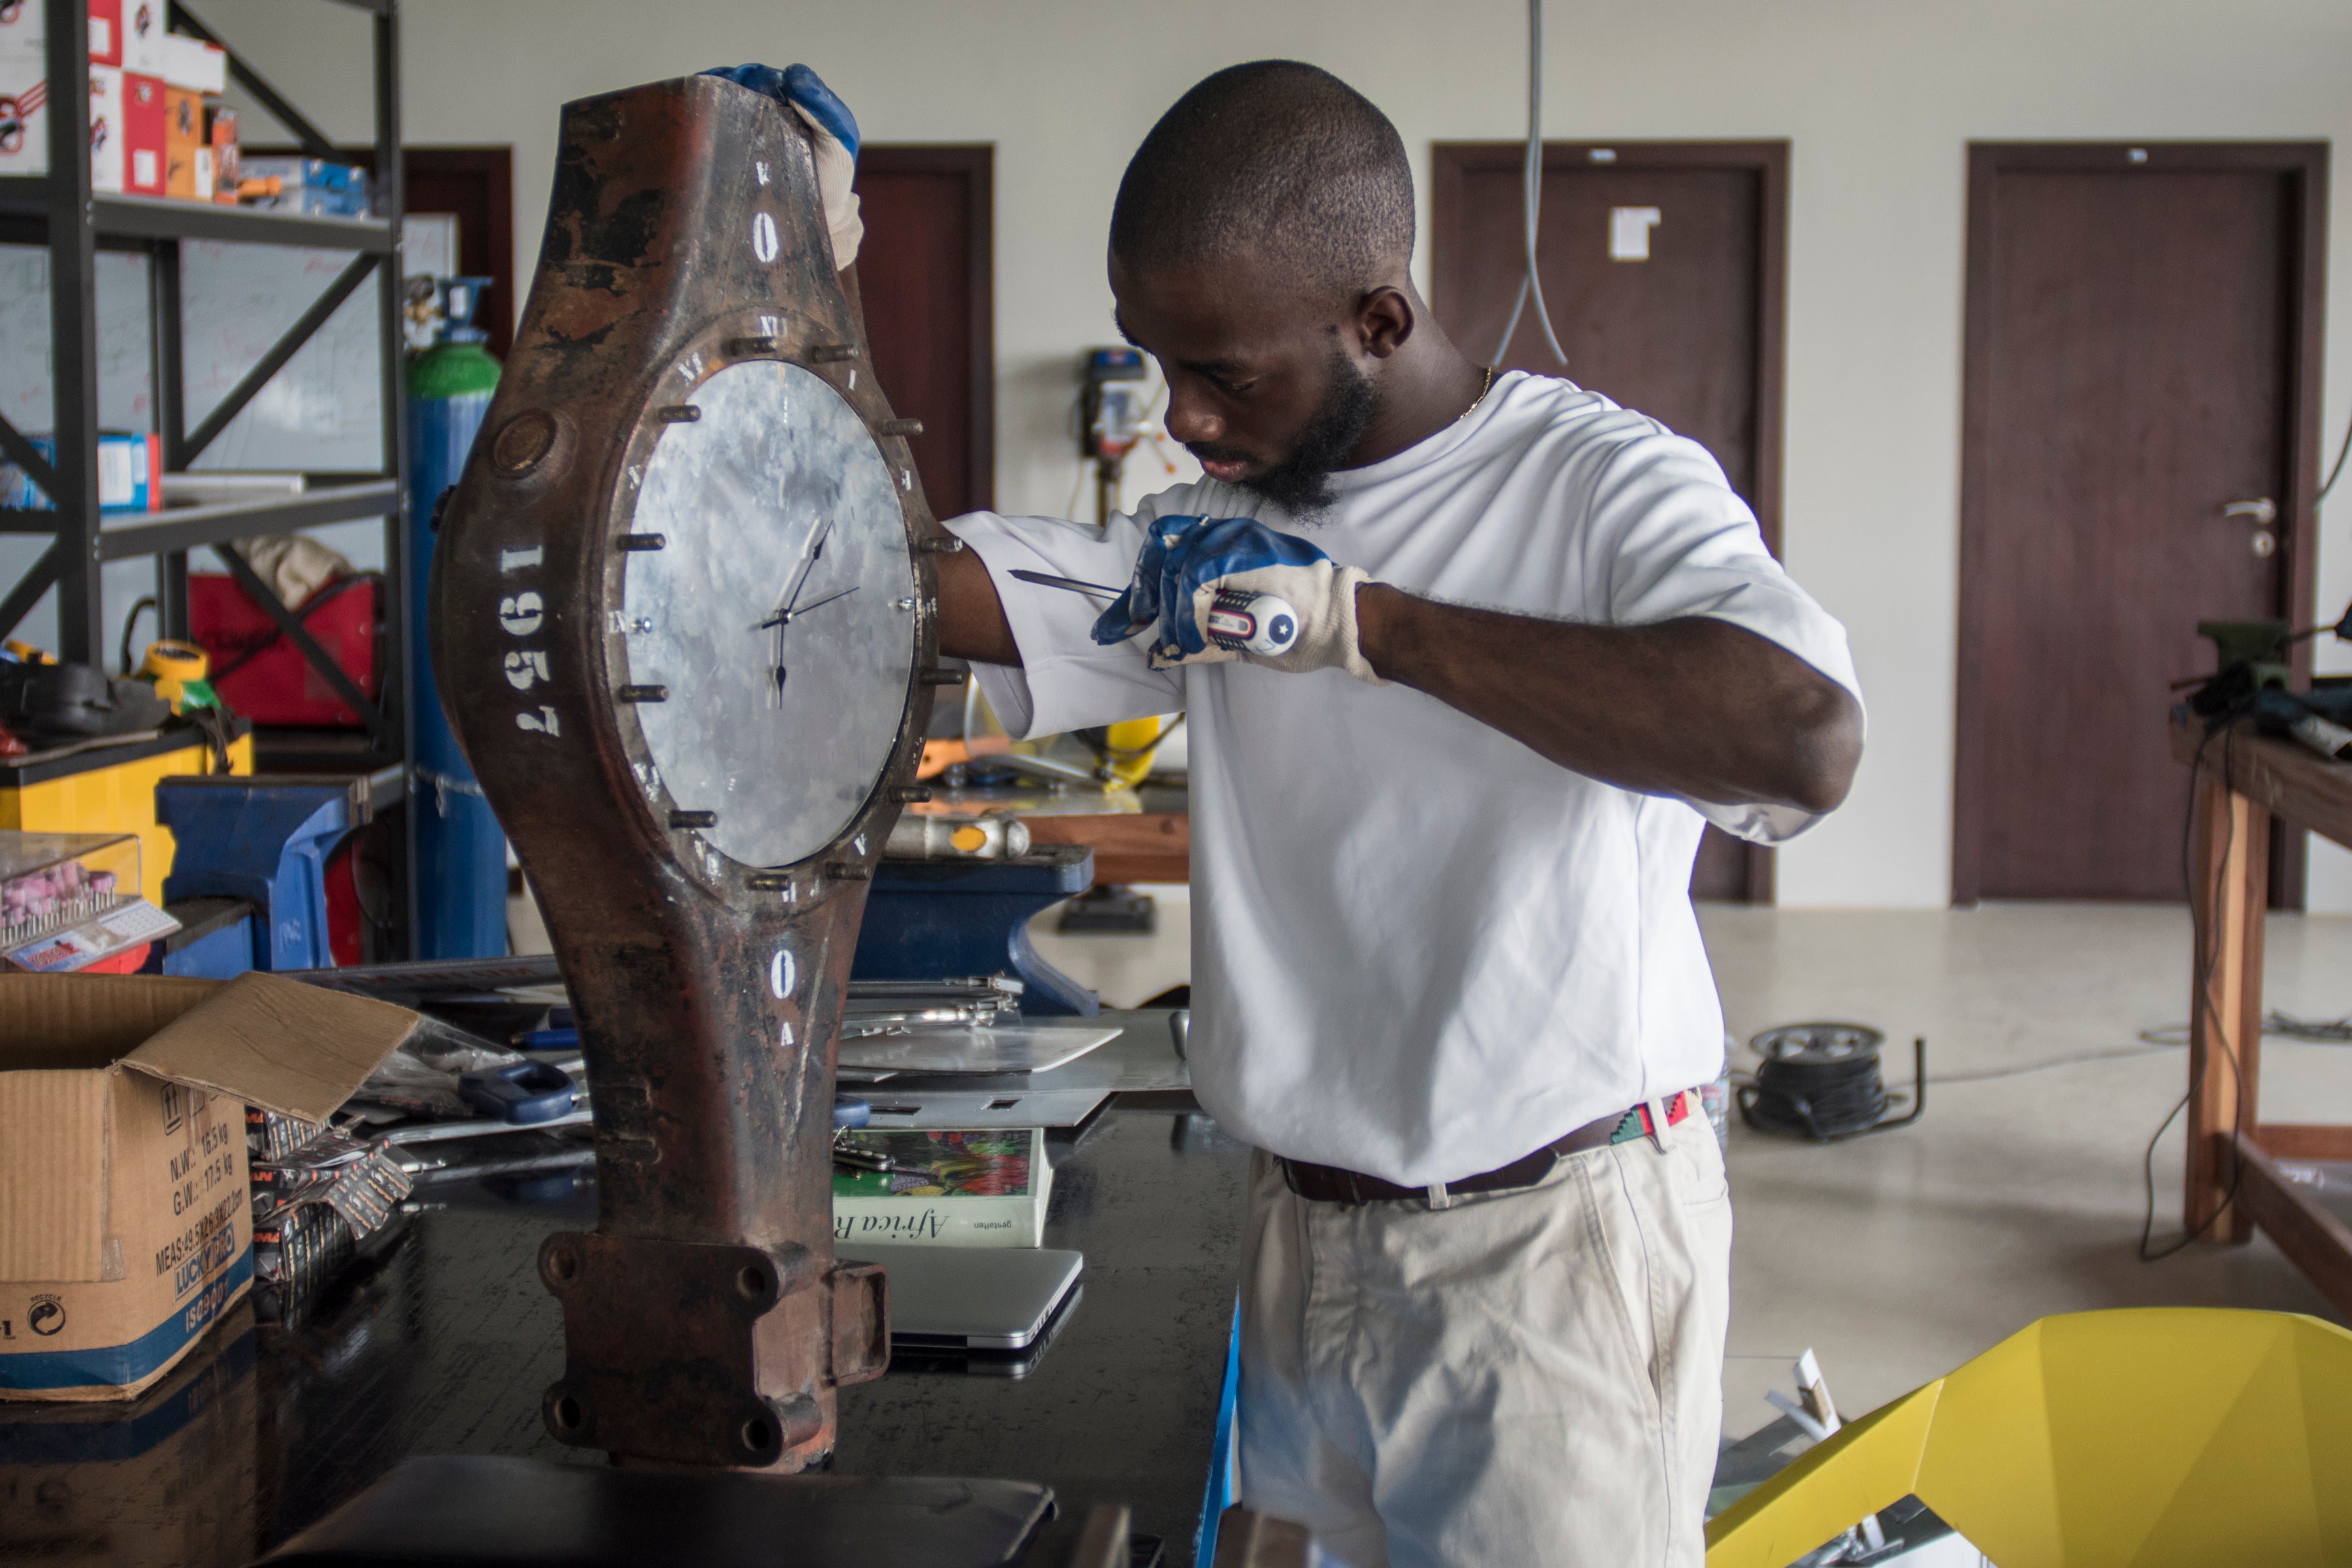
(1820, 1081)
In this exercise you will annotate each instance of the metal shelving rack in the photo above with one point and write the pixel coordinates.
(61, 212)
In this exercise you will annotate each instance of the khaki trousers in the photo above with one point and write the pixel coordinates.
(1516, 1380)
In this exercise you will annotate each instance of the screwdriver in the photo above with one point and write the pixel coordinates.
(1238, 622)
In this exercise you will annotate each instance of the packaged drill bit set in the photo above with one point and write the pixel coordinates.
(71, 902)
(316, 1193)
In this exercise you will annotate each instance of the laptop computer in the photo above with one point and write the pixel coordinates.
(973, 1298)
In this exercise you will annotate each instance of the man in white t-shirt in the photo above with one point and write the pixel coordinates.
(1447, 977)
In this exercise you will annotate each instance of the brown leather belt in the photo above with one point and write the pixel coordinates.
(1334, 1184)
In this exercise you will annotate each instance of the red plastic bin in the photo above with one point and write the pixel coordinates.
(263, 676)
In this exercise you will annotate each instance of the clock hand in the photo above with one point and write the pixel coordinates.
(775, 623)
(791, 615)
(779, 621)
(790, 596)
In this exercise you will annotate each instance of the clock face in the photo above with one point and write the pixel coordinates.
(778, 614)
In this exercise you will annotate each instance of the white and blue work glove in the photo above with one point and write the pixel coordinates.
(1189, 562)
(804, 92)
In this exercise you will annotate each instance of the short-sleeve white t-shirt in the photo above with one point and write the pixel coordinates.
(1419, 950)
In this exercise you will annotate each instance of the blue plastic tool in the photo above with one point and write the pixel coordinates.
(848, 1110)
(522, 1092)
(549, 1041)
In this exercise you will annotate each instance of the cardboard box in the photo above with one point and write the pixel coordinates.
(192, 63)
(168, 1479)
(24, 125)
(24, 31)
(105, 31)
(126, 1223)
(144, 123)
(221, 127)
(310, 185)
(130, 473)
(142, 37)
(184, 138)
(106, 142)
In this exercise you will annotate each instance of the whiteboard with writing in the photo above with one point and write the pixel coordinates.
(322, 411)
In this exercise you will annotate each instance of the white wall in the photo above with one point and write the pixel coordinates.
(1878, 96)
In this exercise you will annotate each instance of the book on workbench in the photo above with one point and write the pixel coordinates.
(983, 1187)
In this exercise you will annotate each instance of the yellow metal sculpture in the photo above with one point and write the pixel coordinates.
(2153, 1438)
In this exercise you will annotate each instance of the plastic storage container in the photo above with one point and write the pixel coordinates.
(71, 902)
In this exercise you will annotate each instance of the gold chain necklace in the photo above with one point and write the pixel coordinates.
(1484, 387)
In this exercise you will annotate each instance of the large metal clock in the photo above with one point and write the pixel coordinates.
(683, 612)
(771, 609)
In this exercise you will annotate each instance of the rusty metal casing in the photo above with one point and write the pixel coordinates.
(705, 1320)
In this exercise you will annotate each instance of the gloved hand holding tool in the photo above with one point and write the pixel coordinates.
(804, 92)
(1218, 589)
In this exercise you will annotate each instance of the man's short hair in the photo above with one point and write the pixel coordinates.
(1274, 159)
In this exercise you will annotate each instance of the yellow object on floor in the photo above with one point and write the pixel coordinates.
(2151, 1437)
(102, 796)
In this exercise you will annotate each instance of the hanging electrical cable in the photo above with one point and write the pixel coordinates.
(1531, 198)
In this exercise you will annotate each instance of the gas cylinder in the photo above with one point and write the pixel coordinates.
(461, 853)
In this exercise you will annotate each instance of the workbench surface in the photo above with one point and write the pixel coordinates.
(444, 1344)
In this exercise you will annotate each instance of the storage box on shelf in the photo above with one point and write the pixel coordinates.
(194, 73)
(154, 98)
(316, 187)
(70, 902)
(164, 170)
(130, 473)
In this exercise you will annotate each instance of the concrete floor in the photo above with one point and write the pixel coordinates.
(1899, 1257)
(1127, 970)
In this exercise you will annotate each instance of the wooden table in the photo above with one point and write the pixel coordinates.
(1138, 846)
(2245, 780)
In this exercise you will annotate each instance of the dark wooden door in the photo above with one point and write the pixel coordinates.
(2142, 351)
(1663, 266)
(924, 273)
(477, 183)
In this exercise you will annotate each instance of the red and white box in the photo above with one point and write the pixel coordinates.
(146, 134)
(23, 118)
(130, 56)
(194, 64)
(105, 30)
(24, 30)
(107, 141)
(142, 37)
